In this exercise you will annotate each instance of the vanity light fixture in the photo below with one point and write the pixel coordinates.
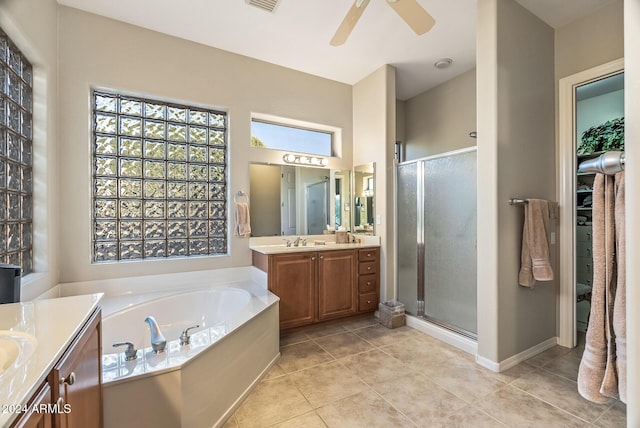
(305, 160)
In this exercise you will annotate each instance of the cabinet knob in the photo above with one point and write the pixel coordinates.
(368, 254)
(322, 257)
(368, 282)
(369, 302)
(368, 267)
(69, 380)
(60, 403)
(588, 235)
(313, 258)
(589, 251)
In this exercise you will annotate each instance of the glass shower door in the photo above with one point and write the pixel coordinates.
(450, 293)
(407, 215)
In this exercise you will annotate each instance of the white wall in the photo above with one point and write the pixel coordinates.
(32, 26)
(595, 111)
(440, 119)
(374, 132)
(96, 51)
(516, 157)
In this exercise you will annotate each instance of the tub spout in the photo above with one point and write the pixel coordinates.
(158, 342)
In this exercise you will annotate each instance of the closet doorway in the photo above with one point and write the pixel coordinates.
(590, 101)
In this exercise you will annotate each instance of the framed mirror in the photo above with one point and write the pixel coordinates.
(364, 199)
(298, 200)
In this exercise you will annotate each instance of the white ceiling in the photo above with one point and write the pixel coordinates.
(297, 34)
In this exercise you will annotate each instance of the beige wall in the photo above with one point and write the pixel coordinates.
(440, 119)
(265, 200)
(516, 157)
(95, 51)
(32, 26)
(374, 132)
(593, 40)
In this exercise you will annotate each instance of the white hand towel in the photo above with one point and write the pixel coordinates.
(243, 221)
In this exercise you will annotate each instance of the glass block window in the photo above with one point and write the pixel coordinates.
(16, 157)
(159, 179)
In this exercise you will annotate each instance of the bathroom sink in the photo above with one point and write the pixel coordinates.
(15, 348)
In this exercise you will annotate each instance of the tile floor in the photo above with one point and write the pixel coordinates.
(360, 374)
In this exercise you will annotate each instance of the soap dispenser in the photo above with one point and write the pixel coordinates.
(10, 283)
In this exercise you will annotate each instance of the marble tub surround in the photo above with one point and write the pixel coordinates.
(277, 244)
(54, 323)
(359, 374)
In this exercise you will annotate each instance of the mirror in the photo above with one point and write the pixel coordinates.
(298, 200)
(364, 199)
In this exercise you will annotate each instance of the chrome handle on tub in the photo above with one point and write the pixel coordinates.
(185, 339)
(130, 353)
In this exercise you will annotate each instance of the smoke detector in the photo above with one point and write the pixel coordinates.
(268, 5)
(443, 63)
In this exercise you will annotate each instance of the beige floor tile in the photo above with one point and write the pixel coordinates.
(302, 356)
(560, 392)
(327, 383)
(379, 335)
(467, 417)
(231, 423)
(308, 420)
(418, 355)
(376, 366)
(513, 373)
(293, 337)
(467, 384)
(516, 408)
(615, 417)
(325, 330)
(275, 371)
(420, 399)
(343, 344)
(360, 323)
(271, 402)
(565, 366)
(364, 410)
(547, 356)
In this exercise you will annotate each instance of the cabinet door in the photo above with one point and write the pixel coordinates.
(292, 279)
(40, 418)
(337, 287)
(77, 380)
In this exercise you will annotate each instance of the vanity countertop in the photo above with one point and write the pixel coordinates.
(276, 245)
(54, 323)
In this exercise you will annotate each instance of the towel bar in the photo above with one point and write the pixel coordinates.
(516, 201)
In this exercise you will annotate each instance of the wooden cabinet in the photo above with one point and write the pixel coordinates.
(368, 279)
(337, 293)
(72, 395)
(37, 419)
(322, 285)
(292, 277)
(76, 379)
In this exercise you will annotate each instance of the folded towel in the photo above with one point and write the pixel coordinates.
(535, 263)
(243, 222)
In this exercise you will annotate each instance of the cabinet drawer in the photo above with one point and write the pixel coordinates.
(367, 301)
(367, 283)
(584, 234)
(368, 254)
(584, 249)
(365, 268)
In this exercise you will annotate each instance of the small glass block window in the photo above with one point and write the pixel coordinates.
(16, 156)
(159, 179)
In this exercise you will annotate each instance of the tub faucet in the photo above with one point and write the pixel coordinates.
(185, 339)
(158, 342)
(130, 353)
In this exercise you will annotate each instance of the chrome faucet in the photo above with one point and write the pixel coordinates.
(296, 241)
(185, 339)
(288, 242)
(158, 342)
(130, 353)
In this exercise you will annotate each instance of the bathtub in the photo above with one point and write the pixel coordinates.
(198, 385)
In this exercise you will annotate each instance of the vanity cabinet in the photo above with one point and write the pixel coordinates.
(72, 395)
(315, 286)
(76, 379)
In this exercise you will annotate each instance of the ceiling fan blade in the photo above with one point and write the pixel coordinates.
(413, 14)
(349, 22)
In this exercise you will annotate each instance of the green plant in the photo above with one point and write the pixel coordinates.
(605, 137)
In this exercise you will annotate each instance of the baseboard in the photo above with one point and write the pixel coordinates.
(518, 358)
(463, 343)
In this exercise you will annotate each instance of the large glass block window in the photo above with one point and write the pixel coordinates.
(16, 157)
(159, 179)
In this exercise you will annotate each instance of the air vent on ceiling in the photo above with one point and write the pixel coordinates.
(268, 5)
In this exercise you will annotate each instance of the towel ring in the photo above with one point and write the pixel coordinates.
(239, 195)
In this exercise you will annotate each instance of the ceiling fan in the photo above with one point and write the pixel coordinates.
(410, 11)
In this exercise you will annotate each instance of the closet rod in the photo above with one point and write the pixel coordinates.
(607, 163)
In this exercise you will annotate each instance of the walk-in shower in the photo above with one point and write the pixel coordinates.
(436, 239)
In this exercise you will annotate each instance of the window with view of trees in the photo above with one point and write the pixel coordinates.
(159, 179)
(290, 138)
(16, 156)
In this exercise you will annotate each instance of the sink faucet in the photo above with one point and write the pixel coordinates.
(288, 242)
(296, 241)
(158, 342)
